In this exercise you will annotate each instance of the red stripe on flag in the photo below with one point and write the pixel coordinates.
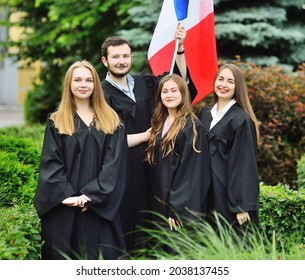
(201, 56)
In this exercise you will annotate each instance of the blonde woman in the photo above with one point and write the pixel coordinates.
(233, 134)
(82, 173)
(178, 152)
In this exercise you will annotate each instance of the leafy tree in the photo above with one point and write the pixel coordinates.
(263, 32)
(142, 17)
(59, 33)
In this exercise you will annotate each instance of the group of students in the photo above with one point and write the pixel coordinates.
(117, 150)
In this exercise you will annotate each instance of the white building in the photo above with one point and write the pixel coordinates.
(15, 80)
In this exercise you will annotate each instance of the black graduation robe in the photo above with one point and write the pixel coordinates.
(88, 162)
(137, 116)
(182, 178)
(235, 181)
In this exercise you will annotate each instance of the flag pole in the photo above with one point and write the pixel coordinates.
(175, 53)
(174, 56)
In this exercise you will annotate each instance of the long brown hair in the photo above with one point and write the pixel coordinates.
(184, 110)
(240, 94)
(106, 118)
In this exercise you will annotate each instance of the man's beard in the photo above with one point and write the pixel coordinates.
(119, 75)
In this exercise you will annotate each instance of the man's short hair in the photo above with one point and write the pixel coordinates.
(113, 41)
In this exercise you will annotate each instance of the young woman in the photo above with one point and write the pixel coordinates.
(233, 136)
(82, 173)
(177, 149)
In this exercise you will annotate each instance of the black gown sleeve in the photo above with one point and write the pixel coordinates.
(53, 186)
(107, 189)
(243, 182)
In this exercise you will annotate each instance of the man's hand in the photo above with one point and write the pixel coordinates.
(180, 34)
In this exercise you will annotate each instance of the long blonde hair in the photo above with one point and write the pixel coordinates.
(240, 94)
(184, 110)
(106, 118)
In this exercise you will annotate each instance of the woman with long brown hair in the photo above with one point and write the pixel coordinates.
(82, 173)
(178, 152)
(233, 135)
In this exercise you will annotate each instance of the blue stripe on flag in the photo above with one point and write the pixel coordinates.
(181, 7)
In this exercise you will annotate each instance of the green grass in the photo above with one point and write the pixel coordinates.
(200, 241)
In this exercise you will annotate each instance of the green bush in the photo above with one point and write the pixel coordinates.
(17, 181)
(31, 132)
(26, 152)
(301, 172)
(282, 211)
(27, 149)
(278, 100)
(19, 233)
(20, 149)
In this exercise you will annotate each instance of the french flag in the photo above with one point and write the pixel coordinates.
(200, 41)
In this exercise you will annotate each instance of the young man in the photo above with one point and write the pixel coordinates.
(133, 98)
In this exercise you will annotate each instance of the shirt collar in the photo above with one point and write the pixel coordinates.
(130, 81)
(224, 110)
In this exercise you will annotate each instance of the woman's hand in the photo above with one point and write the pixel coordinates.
(242, 217)
(174, 223)
(77, 201)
